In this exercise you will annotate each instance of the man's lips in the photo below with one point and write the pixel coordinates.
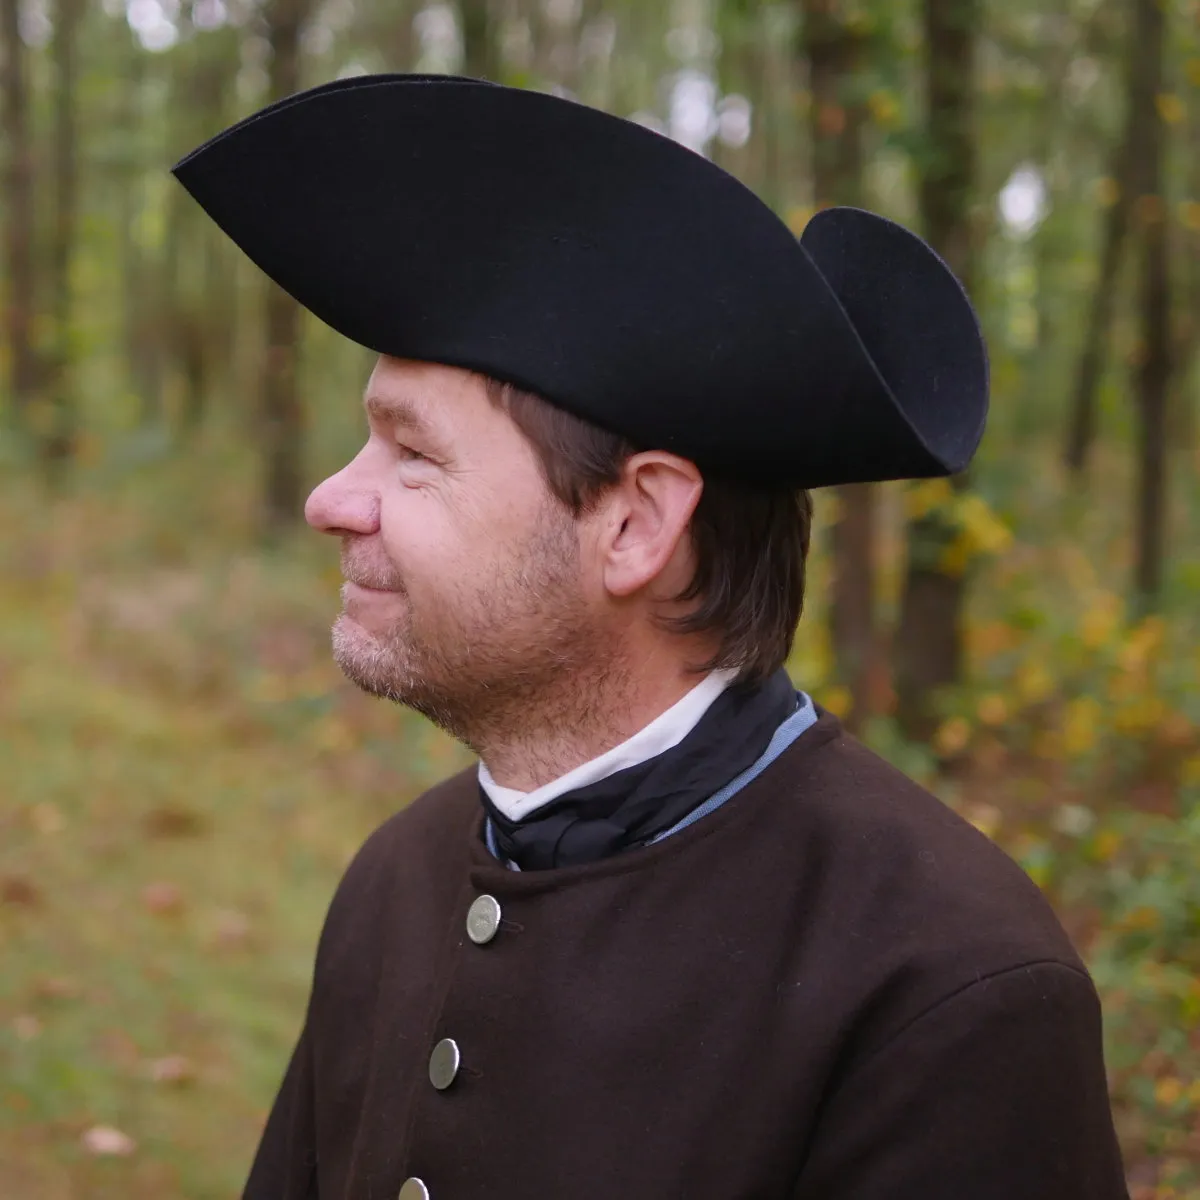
(363, 589)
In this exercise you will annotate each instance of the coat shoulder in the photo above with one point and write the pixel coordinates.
(923, 901)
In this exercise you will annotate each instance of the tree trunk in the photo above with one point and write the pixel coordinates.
(282, 426)
(1081, 429)
(399, 32)
(479, 59)
(837, 117)
(928, 651)
(60, 433)
(1182, 414)
(1153, 376)
(19, 299)
(203, 291)
(139, 368)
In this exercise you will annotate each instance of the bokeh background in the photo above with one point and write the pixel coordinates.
(183, 773)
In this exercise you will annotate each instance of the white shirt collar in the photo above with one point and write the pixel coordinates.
(666, 730)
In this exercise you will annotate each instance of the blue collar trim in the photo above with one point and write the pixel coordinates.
(803, 718)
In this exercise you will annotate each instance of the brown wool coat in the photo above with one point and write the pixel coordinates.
(832, 988)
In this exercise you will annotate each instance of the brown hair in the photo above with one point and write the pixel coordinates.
(750, 542)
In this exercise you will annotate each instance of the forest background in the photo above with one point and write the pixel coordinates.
(184, 773)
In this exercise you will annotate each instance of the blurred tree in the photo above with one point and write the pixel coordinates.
(143, 347)
(19, 290)
(200, 294)
(282, 426)
(1118, 187)
(928, 647)
(1182, 426)
(837, 110)
(59, 432)
(1153, 369)
(480, 35)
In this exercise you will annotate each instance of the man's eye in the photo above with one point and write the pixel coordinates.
(409, 454)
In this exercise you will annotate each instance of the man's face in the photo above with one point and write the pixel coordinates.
(465, 597)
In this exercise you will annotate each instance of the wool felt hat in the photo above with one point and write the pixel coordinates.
(613, 271)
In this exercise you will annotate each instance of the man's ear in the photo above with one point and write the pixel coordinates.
(645, 542)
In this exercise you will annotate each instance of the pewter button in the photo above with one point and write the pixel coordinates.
(413, 1189)
(483, 919)
(443, 1064)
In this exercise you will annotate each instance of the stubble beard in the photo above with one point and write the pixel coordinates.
(515, 655)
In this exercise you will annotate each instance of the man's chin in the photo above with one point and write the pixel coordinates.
(362, 658)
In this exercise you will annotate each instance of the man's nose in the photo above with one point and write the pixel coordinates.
(343, 504)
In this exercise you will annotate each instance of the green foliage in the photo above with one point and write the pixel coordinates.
(185, 772)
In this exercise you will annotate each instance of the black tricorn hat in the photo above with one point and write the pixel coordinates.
(609, 269)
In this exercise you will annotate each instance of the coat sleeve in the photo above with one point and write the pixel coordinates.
(285, 1166)
(997, 1092)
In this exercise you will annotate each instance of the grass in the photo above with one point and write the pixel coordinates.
(185, 775)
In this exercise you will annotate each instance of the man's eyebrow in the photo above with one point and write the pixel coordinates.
(399, 410)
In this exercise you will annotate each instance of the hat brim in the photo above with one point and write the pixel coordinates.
(613, 271)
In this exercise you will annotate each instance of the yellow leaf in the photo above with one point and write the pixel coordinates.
(922, 498)
(1106, 845)
(1191, 770)
(884, 107)
(1167, 1091)
(985, 532)
(1108, 191)
(798, 216)
(831, 509)
(1033, 682)
(1170, 107)
(1189, 215)
(952, 736)
(1143, 641)
(1080, 726)
(838, 700)
(985, 817)
(1101, 620)
(955, 558)
(992, 709)
(1140, 715)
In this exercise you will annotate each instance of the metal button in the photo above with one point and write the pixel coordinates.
(413, 1189)
(443, 1064)
(483, 919)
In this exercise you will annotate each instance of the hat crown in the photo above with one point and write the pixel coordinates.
(609, 269)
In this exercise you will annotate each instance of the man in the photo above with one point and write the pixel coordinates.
(678, 935)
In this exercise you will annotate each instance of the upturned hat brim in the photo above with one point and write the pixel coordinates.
(613, 271)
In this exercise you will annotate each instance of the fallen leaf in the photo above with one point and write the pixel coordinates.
(56, 987)
(163, 899)
(15, 889)
(173, 821)
(233, 928)
(105, 1140)
(26, 1026)
(174, 1068)
(46, 818)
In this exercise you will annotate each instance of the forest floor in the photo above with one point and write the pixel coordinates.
(186, 775)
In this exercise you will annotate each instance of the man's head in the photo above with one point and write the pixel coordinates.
(501, 554)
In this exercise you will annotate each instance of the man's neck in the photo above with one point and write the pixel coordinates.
(579, 727)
